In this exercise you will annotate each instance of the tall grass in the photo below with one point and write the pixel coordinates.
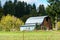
(34, 35)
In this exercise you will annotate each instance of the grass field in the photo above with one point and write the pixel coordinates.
(34, 35)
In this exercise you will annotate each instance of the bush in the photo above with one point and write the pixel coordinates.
(58, 24)
(37, 27)
(10, 23)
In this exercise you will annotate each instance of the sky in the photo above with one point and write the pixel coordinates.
(37, 2)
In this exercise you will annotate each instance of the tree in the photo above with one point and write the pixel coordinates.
(10, 23)
(8, 8)
(15, 1)
(42, 11)
(0, 4)
(28, 9)
(37, 27)
(20, 9)
(58, 24)
(33, 11)
(34, 6)
(25, 17)
(54, 9)
(1, 10)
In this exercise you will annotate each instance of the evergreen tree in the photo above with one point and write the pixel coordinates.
(1, 10)
(8, 8)
(20, 9)
(33, 11)
(42, 11)
(28, 9)
(15, 1)
(34, 6)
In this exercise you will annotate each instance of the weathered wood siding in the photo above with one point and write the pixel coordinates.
(47, 23)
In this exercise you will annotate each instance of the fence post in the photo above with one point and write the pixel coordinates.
(23, 35)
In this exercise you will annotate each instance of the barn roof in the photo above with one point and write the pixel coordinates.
(34, 20)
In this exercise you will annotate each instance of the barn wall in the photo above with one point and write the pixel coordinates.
(47, 23)
(27, 28)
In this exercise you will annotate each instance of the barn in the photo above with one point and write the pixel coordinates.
(43, 21)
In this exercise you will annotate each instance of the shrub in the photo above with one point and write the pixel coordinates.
(10, 23)
(37, 27)
(58, 24)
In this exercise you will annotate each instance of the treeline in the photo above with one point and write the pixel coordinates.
(21, 9)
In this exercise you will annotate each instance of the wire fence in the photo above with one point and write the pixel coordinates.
(38, 36)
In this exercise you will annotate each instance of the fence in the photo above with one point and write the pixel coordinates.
(39, 36)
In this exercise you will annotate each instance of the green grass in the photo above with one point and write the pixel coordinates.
(34, 35)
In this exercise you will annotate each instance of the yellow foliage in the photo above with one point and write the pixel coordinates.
(10, 22)
(58, 24)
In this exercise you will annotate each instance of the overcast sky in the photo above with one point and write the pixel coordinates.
(37, 2)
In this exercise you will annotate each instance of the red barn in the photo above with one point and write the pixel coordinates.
(46, 23)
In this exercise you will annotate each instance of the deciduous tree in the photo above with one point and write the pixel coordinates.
(10, 23)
